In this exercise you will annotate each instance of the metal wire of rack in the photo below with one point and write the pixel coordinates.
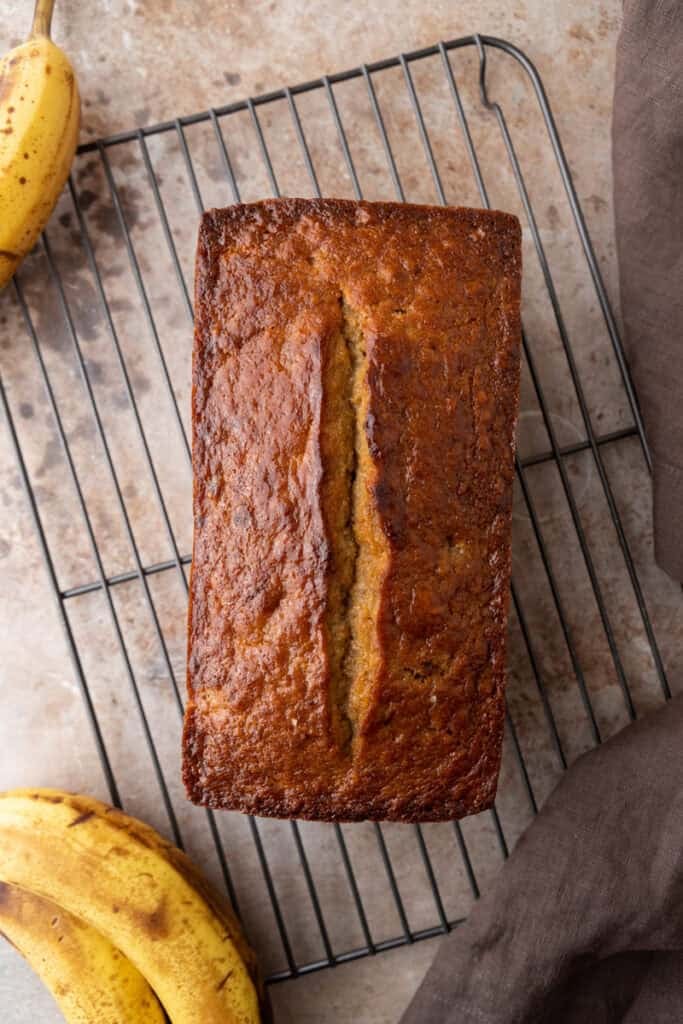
(359, 871)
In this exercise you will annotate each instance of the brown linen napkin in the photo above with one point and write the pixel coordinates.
(647, 153)
(585, 923)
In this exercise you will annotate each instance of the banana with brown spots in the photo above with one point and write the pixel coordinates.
(141, 893)
(89, 979)
(39, 119)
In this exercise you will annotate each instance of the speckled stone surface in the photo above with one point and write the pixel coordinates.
(142, 62)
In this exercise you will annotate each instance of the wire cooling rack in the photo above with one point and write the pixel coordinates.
(98, 340)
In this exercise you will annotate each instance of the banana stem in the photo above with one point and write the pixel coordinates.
(42, 18)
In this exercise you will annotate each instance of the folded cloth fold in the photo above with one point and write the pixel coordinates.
(585, 922)
(647, 155)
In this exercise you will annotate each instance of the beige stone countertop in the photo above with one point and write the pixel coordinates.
(143, 61)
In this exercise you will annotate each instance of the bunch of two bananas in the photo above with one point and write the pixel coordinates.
(117, 921)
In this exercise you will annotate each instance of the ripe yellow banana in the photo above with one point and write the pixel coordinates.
(39, 119)
(140, 892)
(89, 979)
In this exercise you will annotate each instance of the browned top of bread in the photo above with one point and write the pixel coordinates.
(355, 389)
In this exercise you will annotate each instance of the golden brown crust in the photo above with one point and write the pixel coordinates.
(319, 687)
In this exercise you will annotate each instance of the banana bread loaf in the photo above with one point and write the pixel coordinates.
(355, 391)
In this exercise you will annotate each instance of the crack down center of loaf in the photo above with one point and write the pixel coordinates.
(359, 552)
